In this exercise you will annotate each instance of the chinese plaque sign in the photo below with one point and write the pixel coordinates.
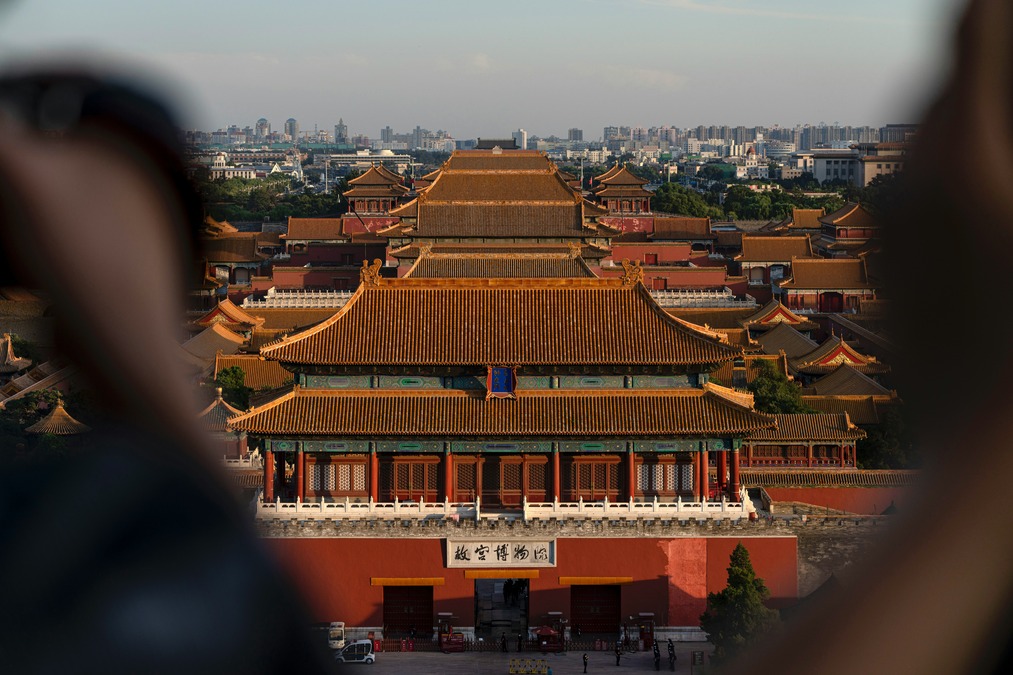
(501, 553)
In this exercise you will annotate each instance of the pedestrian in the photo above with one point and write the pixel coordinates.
(508, 592)
(502, 642)
(619, 651)
(585, 662)
(671, 655)
(520, 643)
(657, 657)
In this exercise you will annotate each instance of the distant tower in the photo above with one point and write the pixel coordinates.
(575, 135)
(341, 131)
(263, 129)
(521, 139)
(292, 129)
(386, 135)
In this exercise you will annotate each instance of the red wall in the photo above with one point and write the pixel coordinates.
(867, 501)
(671, 577)
(630, 223)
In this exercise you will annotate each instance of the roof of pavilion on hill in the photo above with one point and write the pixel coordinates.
(786, 338)
(377, 181)
(620, 182)
(431, 265)
(467, 322)
(827, 274)
(762, 249)
(832, 353)
(809, 427)
(215, 417)
(774, 313)
(622, 413)
(200, 350)
(846, 380)
(58, 423)
(488, 194)
(851, 214)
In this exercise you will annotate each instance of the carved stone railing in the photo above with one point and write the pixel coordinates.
(326, 510)
(652, 510)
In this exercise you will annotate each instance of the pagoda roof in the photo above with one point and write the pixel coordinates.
(215, 228)
(612, 171)
(205, 345)
(492, 160)
(851, 214)
(621, 191)
(320, 229)
(785, 338)
(453, 322)
(683, 228)
(58, 423)
(832, 353)
(216, 416)
(380, 191)
(621, 413)
(230, 315)
(809, 427)
(805, 219)
(499, 265)
(45, 375)
(9, 361)
(845, 380)
(620, 175)
(774, 313)
(378, 174)
(827, 274)
(258, 372)
(859, 409)
(756, 248)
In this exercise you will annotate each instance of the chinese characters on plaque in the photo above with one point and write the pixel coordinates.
(501, 553)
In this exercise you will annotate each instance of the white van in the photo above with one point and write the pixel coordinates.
(360, 651)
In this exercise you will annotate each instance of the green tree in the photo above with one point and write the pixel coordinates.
(233, 385)
(674, 198)
(774, 393)
(889, 444)
(736, 616)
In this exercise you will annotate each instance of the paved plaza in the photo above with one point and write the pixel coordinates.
(496, 662)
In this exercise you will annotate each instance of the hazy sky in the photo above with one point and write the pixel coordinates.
(480, 68)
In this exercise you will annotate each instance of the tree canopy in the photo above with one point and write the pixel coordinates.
(233, 385)
(737, 615)
(774, 393)
(675, 198)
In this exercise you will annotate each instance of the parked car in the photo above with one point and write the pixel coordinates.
(359, 651)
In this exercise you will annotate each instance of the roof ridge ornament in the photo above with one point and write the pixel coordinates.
(369, 275)
(633, 272)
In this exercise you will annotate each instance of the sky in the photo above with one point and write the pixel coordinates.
(479, 68)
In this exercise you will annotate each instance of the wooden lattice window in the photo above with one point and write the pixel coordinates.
(536, 476)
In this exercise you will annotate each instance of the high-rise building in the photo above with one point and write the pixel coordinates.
(292, 129)
(263, 129)
(386, 134)
(341, 131)
(521, 139)
(575, 135)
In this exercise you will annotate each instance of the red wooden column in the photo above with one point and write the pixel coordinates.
(268, 476)
(704, 476)
(374, 476)
(631, 474)
(809, 454)
(696, 477)
(279, 470)
(556, 492)
(735, 474)
(448, 476)
(300, 474)
(844, 450)
(722, 471)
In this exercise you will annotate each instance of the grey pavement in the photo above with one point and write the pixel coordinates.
(498, 662)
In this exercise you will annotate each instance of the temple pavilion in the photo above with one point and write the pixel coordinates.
(433, 388)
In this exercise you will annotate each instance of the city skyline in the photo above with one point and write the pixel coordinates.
(542, 67)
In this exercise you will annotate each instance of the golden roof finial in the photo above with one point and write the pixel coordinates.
(370, 274)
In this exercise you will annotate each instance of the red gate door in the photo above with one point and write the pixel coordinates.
(406, 608)
(596, 609)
